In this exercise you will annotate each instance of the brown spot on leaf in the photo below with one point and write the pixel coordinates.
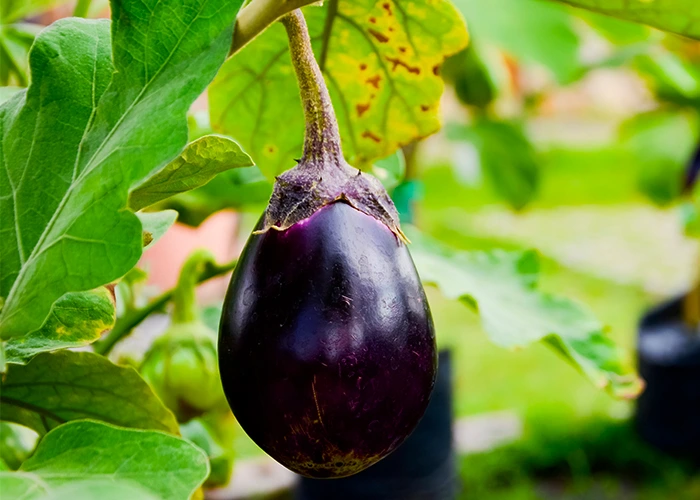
(381, 37)
(398, 62)
(436, 70)
(361, 108)
(369, 135)
(373, 20)
(402, 50)
(387, 7)
(363, 67)
(391, 28)
(424, 107)
(374, 81)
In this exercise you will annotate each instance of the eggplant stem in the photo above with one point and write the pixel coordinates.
(185, 307)
(131, 319)
(322, 138)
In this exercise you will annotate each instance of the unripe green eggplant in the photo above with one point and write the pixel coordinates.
(181, 365)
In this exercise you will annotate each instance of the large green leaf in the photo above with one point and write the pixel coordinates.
(532, 31)
(677, 16)
(81, 459)
(380, 59)
(76, 319)
(58, 387)
(196, 165)
(500, 286)
(79, 138)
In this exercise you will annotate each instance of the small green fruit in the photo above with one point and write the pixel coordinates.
(181, 367)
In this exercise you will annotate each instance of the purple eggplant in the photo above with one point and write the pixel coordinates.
(327, 350)
(326, 346)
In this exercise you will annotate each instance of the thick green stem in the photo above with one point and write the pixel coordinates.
(185, 308)
(81, 8)
(126, 324)
(322, 138)
(255, 17)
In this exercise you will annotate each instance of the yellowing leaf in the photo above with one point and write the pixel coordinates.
(381, 62)
(76, 319)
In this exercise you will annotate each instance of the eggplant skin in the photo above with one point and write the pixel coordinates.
(327, 347)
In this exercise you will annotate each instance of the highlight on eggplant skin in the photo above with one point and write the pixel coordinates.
(327, 348)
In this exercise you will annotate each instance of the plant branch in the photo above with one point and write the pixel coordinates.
(82, 8)
(131, 319)
(255, 17)
(322, 138)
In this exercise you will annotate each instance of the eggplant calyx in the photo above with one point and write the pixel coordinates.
(322, 176)
(309, 186)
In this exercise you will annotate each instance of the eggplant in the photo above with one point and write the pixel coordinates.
(326, 346)
(327, 349)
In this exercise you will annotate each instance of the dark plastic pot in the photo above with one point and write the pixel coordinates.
(668, 411)
(422, 468)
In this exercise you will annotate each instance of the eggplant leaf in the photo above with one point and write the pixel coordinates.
(501, 288)
(677, 16)
(87, 459)
(54, 388)
(197, 165)
(85, 132)
(76, 319)
(380, 60)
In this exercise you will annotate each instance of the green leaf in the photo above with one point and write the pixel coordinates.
(238, 188)
(390, 170)
(380, 61)
(80, 457)
(532, 31)
(58, 387)
(17, 444)
(7, 92)
(672, 78)
(662, 143)
(156, 224)
(677, 16)
(29, 486)
(500, 286)
(23, 486)
(471, 78)
(80, 137)
(506, 156)
(203, 433)
(104, 489)
(196, 165)
(76, 319)
(690, 214)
